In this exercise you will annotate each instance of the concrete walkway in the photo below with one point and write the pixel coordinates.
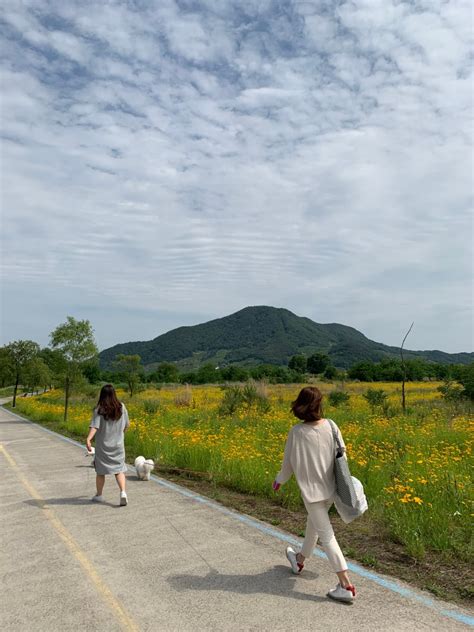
(170, 561)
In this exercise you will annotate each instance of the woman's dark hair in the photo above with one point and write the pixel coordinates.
(308, 405)
(108, 405)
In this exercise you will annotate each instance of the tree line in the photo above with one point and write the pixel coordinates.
(392, 370)
(72, 360)
(128, 369)
(63, 363)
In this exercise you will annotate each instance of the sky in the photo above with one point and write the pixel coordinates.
(166, 163)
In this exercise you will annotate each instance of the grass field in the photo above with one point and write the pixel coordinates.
(415, 467)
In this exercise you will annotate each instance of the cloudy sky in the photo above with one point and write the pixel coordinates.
(165, 163)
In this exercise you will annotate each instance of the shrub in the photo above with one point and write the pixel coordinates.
(375, 397)
(451, 391)
(251, 395)
(336, 398)
(256, 394)
(232, 400)
(389, 411)
(151, 405)
(90, 390)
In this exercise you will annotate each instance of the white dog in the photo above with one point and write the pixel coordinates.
(144, 467)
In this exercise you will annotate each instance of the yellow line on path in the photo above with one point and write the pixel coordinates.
(119, 611)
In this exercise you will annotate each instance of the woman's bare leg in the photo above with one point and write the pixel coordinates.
(344, 579)
(120, 478)
(100, 482)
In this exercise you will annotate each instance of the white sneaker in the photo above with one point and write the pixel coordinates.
(296, 567)
(343, 594)
(97, 499)
(123, 499)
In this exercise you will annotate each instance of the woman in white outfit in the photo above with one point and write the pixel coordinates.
(309, 455)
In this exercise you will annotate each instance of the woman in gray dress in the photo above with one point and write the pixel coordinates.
(108, 424)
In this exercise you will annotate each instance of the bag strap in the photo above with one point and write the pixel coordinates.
(340, 449)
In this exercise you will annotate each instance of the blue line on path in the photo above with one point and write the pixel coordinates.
(255, 524)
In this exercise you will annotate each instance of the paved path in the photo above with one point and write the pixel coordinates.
(170, 561)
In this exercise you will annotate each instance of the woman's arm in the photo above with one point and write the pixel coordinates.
(90, 436)
(342, 442)
(93, 427)
(286, 467)
(126, 420)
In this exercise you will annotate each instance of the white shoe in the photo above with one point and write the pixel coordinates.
(123, 499)
(343, 594)
(296, 567)
(97, 499)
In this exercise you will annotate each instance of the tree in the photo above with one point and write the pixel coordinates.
(75, 340)
(55, 362)
(36, 373)
(388, 370)
(317, 363)
(274, 374)
(166, 372)
(363, 371)
(297, 363)
(20, 353)
(442, 371)
(234, 373)
(207, 374)
(7, 376)
(466, 378)
(129, 367)
(418, 369)
(331, 372)
(91, 371)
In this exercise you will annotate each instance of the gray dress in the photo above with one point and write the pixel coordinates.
(109, 445)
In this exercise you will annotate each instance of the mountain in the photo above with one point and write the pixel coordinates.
(264, 335)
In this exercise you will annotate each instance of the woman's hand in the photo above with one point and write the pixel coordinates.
(276, 486)
(90, 436)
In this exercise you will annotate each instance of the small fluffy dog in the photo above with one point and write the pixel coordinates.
(144, 467)
(92, 454)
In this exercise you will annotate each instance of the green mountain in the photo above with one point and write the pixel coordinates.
(264, 335)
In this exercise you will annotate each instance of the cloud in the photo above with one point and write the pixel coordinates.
(195, 157)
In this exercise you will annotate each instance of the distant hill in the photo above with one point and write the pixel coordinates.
(264, 335)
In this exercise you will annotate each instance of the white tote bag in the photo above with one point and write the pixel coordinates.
(348, 514)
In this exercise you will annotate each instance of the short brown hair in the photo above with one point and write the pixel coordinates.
(308, 405)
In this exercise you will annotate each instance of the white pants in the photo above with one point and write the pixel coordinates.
(319, 527)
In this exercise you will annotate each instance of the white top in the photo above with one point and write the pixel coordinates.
(309, 454)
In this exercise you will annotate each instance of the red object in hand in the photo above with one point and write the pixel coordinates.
(276, 486)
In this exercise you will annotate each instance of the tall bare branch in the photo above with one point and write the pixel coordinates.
(404, 368)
